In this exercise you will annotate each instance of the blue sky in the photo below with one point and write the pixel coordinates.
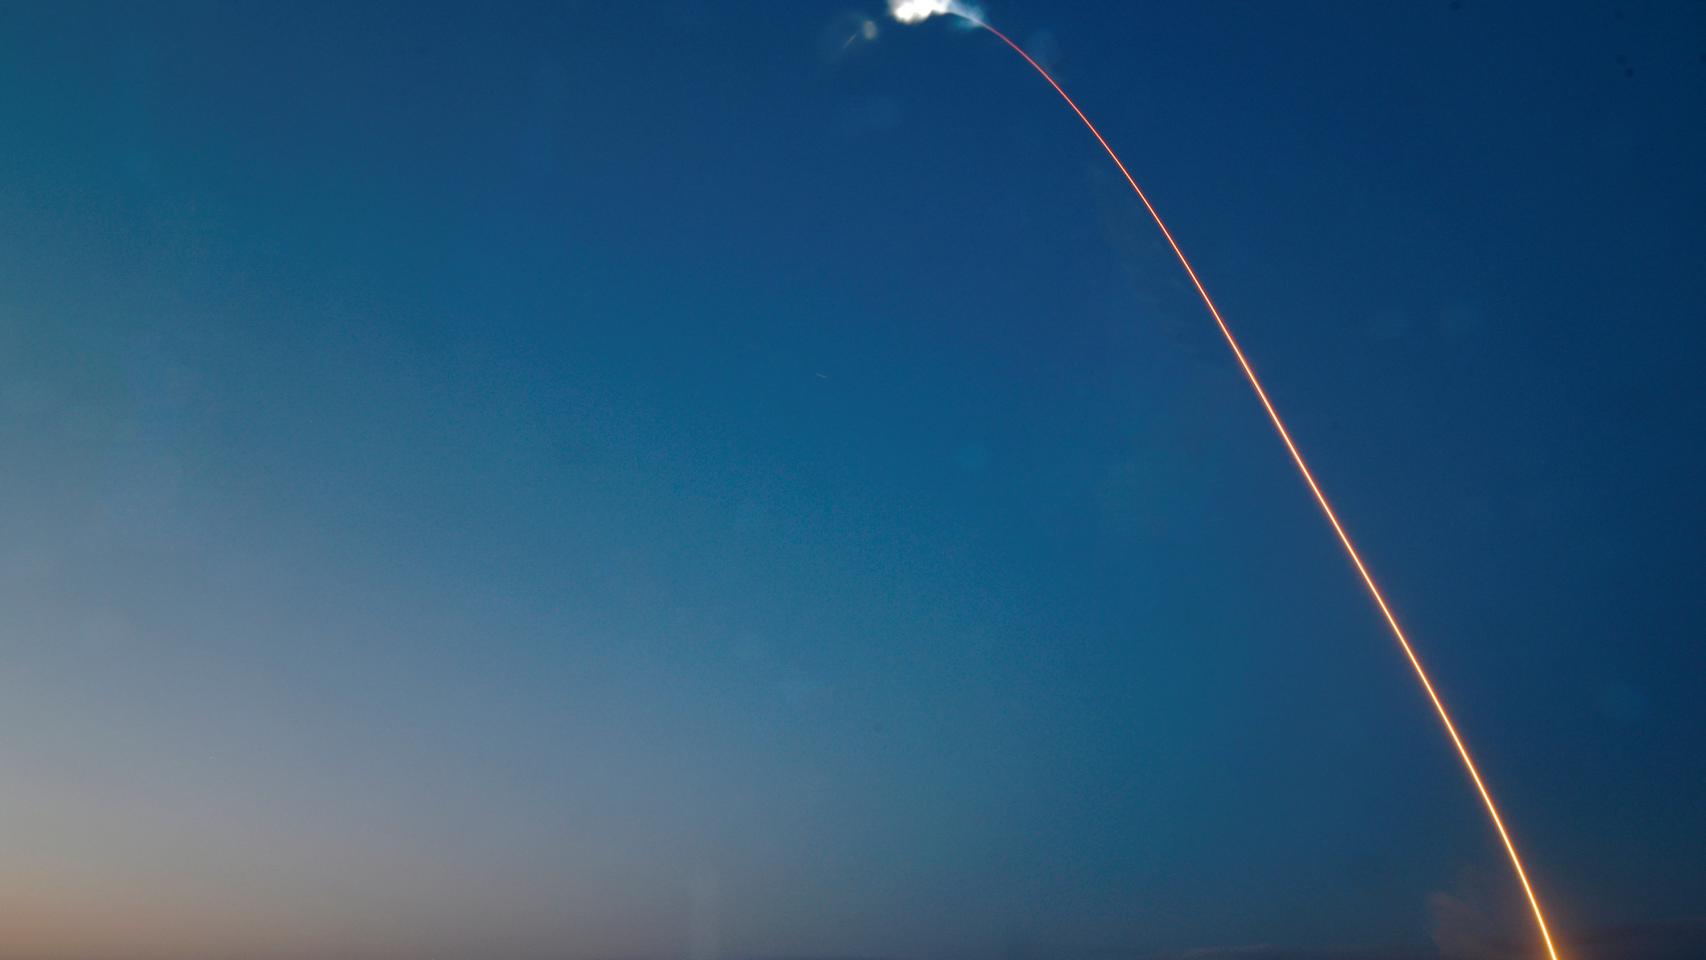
(656, 480)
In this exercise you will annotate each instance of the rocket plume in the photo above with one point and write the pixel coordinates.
(912, 11)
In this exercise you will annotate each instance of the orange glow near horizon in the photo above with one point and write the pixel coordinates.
(1320, 498)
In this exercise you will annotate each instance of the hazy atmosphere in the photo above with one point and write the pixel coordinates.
(708, 481)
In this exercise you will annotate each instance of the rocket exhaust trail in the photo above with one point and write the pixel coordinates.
(1314, 488)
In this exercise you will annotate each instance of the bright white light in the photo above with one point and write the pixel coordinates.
(913, 11)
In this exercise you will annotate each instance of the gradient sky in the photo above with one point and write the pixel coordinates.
(656, 480)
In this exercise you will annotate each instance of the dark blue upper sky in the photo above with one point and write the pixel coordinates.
(654, 480)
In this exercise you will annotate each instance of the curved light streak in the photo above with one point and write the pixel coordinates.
(1320, 498)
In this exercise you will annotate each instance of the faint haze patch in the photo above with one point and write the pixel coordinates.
(1159, 293)
(1044, 47)
(867, 116)
(1474, 921)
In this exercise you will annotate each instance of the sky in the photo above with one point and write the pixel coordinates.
(637, 481)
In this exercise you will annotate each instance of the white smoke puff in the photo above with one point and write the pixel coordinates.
(914, 11)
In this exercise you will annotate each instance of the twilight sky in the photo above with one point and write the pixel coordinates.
(619, 480)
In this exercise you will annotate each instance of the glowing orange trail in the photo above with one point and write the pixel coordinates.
(1320, 498)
